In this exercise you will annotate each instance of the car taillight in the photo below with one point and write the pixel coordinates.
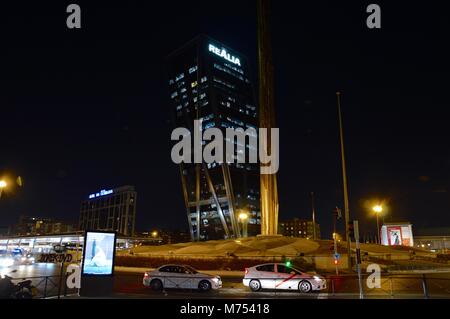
(246, 271)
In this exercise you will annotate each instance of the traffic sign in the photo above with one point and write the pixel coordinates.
(337, 256)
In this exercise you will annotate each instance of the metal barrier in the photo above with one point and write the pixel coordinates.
(48, 286)
(343, 286)
(392, 286)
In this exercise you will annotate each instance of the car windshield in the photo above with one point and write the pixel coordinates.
(192, 270)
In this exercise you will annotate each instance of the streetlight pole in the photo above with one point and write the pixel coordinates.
(378, 209)
(243, 217)
(344, 182)
(378, 230)
(313, 216)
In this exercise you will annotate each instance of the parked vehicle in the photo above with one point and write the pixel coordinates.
(9, 290)
(181, 277)
(281, 276)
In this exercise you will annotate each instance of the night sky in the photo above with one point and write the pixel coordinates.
(83, 110)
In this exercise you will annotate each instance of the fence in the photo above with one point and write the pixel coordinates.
(343, 286)
(421, 286)
(48, 286)
(393, 286)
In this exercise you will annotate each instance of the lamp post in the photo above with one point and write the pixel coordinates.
(243, 217)
(3, 184)
(378, 209)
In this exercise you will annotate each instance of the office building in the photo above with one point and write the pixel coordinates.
(209, 81)
(110, 210)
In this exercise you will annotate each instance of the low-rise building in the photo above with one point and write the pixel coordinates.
(302, 228)
(34, 225)
(433, 239)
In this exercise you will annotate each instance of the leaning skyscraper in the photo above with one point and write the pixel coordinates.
(210, 82)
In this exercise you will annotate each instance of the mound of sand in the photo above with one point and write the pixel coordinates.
(245, 247)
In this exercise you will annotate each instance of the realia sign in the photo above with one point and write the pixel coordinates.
(224, 54)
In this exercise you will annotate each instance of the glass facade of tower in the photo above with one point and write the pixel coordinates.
(210, 82)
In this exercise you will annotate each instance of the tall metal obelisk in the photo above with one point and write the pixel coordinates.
(269, 192)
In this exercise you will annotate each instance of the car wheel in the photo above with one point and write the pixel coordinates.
(304, 286)
(156, 285)
(204, 285)
(255, 285)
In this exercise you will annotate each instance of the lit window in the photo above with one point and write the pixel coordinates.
(194, 84)
(193, 69)
(179, 77)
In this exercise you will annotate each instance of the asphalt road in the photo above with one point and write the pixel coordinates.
(129, 285)
(399, 286)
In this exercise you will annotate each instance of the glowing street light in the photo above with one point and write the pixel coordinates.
(3, 185)
(378, 209)
(243, 216)
(154, 234)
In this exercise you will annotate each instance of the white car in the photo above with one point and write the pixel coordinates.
(181, 277)
(282, 276)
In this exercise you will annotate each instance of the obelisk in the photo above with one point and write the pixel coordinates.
(268, 188)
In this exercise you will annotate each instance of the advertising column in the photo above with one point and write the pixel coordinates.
(98, 263)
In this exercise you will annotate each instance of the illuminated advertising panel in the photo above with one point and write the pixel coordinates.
(397, 235)
(99, 253)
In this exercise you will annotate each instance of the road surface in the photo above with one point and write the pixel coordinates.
(129, 285)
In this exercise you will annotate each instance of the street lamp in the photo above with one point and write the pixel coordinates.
(243, 217)
(3, 184)
(378, 209)
(154, 234)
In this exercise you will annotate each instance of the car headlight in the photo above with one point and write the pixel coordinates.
(23, 258)
(317, 278)
(216, 279)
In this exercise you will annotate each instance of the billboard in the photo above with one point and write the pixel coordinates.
(99, 253)
(397, 235)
